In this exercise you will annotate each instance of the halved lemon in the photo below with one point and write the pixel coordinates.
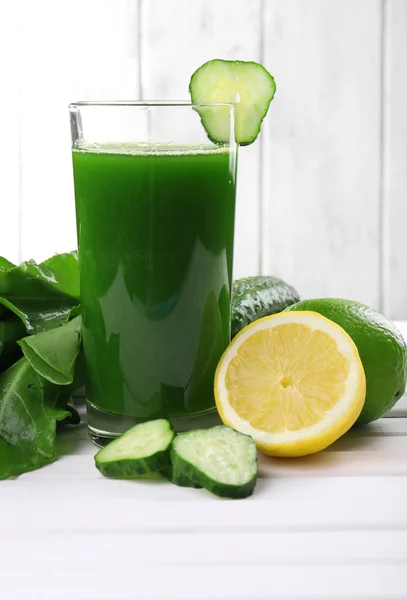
(293, 381)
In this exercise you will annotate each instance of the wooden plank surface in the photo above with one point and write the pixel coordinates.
(395, 159)
(176, 39)
(10, 132)
(87, 52)
(308, 502)
(238, 548)
(217, 582)
(336, 516)
(321, 166)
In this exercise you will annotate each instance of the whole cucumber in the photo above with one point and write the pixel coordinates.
(257, 297)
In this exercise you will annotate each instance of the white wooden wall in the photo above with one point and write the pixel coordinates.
(322, 197)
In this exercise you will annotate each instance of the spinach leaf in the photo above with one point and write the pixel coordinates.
(53, 353)
(29, 409)
(11, 330)
(74, 312)
(35, 391)
(5, 264)
(42, 295)
(65, 272)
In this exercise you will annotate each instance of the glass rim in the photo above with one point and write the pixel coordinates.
(148, 104)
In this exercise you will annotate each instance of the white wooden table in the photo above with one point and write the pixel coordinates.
(331, 526)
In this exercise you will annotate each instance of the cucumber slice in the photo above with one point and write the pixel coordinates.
(142, 449)
(179, 478)
(247, 85)
(219, 459)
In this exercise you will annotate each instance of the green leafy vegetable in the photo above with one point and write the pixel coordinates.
(42, 295)
(65, 272)
(53, 353)
(30, 406)
(5, 264)
(35, 391)
(11, 330)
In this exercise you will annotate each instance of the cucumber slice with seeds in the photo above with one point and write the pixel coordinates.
(247, 85)
(141, 450)
(219, 459)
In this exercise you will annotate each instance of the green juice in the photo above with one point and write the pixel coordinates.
(155, 234)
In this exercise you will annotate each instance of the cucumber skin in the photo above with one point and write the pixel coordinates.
(174, 475)
(187, 471)
(131, 469)
(257, 297)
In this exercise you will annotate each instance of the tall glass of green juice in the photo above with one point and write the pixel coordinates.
(155, 207)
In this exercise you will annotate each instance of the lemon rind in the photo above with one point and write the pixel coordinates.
(336, 421)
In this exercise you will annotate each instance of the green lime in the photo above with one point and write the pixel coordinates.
(381, 346)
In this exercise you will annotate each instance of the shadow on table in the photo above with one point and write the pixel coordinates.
(72, 439)
(358, 439)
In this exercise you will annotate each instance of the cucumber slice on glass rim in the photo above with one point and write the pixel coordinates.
(246, 85)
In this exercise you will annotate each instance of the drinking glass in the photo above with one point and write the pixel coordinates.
(155, 209)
